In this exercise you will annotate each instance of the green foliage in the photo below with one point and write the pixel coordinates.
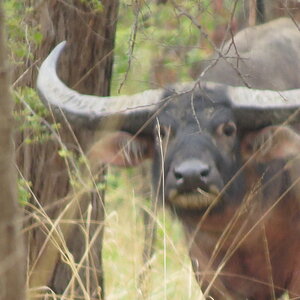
(23, 36)
(162, 35)
(95, 5)
(65, 153)
(23, 191)
(37, 37)
(160, 44)
(170, 274)
(30, 115)
(115, 179)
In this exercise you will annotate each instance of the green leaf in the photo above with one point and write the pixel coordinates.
(38, 37)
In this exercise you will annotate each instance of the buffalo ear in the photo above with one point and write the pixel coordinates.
(121, 149)
(273, 142)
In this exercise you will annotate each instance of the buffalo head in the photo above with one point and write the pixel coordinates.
(193, 131)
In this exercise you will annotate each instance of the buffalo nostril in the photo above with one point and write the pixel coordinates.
(205, 172)
(178, 175)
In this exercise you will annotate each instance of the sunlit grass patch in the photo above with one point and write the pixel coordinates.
(170, 277)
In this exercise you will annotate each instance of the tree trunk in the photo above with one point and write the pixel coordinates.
(12, 259)
(252, 13)
(280, 8)
(62, 256)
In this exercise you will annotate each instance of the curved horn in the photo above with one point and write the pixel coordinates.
(91, 111)
(256, 108)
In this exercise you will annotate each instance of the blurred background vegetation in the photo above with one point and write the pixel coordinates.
(159, 45)
(158, 42)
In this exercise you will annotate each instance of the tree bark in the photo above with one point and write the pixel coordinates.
(12, 258)
(252, 13)
(256, 12)
(64, 259)
(281, 8)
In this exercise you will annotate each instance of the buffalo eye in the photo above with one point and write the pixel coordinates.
(227, 129)
(163, 131)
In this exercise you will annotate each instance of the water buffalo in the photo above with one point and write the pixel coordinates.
(224, 159)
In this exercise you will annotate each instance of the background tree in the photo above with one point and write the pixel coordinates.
(67, 264)
(12, 258)
(281, 8)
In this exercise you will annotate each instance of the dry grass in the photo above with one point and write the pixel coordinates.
(170, 277)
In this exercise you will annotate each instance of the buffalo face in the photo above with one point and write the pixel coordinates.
(196, 157)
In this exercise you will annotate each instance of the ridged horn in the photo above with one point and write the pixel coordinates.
(256, 108)
(91, 111)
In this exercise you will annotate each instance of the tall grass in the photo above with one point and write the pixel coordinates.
(170, 275)
(123, 245)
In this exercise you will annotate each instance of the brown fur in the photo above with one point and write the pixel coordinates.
(252, 250)
(120, 149)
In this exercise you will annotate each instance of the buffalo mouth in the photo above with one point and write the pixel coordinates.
(198, 199)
